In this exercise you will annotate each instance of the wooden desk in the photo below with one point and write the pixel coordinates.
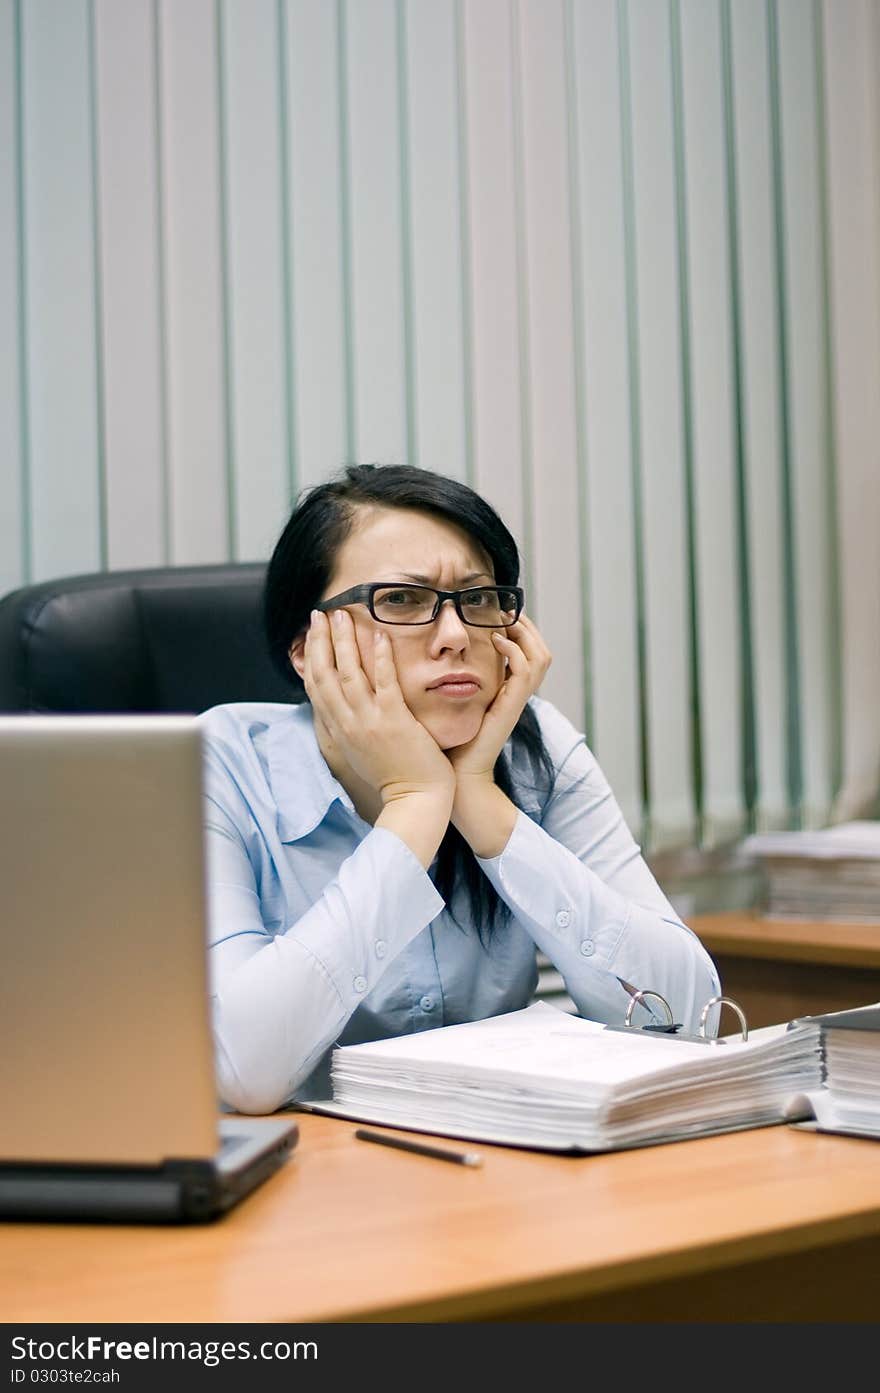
(778, 970)
(772, 1224)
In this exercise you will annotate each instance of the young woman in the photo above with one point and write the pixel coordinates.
(390, 854)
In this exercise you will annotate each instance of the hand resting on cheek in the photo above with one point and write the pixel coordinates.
(368, 730)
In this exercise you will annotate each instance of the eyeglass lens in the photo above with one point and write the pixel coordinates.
(485, 607)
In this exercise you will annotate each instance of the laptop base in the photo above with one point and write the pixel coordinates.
(176, 1192)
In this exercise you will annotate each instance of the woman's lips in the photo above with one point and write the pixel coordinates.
(457, 689)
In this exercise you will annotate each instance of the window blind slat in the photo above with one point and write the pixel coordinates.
(706, 271)
(435, 247)
(315, 177)
(556, 541)
(811, 476)
(851, 38)
(752, 177)
(494, 291)
(609, 527)
(375, 229)
(14, 560)
(195, 310)
(66, 521)
(666, 617)
(255, 274)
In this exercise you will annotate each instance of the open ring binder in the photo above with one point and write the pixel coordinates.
(672, 1029)
(639, 996)
(724, 1001)
(546, 1079)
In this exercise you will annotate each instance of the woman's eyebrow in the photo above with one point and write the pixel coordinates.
(429, 580)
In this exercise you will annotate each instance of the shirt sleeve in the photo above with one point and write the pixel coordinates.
(280, 1000)
(578, 883)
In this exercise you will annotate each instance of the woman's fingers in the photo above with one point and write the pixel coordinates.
(528, 636)
(317, 652)
(517, 686)
(354, 681)
(385, 670)
(527, 661)
(322, 679)
(312, 662)
(517, 659)
(527, 656)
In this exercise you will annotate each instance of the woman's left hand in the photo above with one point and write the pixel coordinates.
(528, 659)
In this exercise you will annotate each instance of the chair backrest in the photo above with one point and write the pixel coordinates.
(174, 638)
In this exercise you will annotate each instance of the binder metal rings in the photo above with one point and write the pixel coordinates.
(723, 1001)
(639, 995)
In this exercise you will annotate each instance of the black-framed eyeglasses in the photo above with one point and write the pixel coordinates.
(483, 606)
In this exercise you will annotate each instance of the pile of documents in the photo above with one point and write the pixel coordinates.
(830, 874)
(850, 1100)
(545, 1079)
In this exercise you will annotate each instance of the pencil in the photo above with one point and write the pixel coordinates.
(440, 1153)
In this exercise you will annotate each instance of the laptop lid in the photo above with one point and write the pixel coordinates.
(103, 994)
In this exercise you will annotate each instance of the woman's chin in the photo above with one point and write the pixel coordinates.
(455, 729)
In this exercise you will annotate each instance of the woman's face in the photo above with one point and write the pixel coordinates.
(403, 544)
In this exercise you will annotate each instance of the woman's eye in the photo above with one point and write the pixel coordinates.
(475, 599)
(400, 597)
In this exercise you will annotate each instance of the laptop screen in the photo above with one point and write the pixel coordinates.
(104, 1016)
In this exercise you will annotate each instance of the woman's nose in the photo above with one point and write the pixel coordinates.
(449, 630)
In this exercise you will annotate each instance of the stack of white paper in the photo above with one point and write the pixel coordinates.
(833, 873)
(542, 1078)
(850, 1100)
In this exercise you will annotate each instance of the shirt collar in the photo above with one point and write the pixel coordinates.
(301, 781)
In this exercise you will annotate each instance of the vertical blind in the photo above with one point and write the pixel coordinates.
(616, 263)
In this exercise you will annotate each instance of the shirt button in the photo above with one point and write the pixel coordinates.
(588, 948)
(427, 1003)
(381, 947)
(360, 984)
(563, 918)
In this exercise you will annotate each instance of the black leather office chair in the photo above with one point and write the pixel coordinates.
(174, 638)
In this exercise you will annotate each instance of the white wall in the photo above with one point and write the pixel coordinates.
(614, 262)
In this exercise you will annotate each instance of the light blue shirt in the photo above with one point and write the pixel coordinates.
(325, 930)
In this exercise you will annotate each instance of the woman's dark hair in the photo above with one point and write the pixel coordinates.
(299, 572)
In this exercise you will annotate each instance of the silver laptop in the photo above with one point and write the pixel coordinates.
(108, 1106)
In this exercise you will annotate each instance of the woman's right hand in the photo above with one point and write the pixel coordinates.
(370, 726)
